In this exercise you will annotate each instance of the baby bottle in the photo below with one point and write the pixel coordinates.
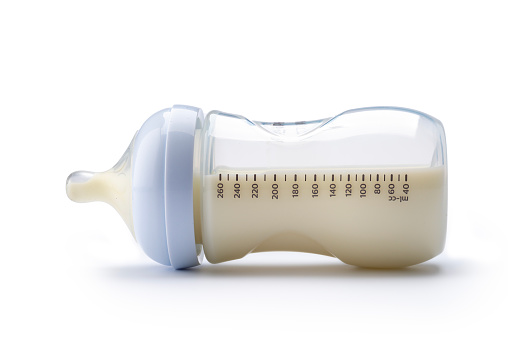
(367, 186)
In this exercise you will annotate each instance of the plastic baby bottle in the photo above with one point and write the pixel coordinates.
(367, 186)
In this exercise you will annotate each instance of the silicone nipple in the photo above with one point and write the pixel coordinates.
(113, 187)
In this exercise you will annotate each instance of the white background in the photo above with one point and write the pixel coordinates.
(77, 80)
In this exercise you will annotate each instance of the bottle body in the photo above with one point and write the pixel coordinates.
(367, 186)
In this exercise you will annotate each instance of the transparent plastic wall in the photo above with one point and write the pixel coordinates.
(367, 186)
(371, 137)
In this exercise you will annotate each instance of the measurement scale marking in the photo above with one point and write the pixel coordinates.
(351, 189)
(391, 177)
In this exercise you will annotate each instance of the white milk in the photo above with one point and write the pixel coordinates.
(365, 217)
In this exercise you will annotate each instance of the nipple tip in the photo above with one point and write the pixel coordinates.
(79, 177)
(74, 180)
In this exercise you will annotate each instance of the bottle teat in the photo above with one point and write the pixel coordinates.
(113, 187)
